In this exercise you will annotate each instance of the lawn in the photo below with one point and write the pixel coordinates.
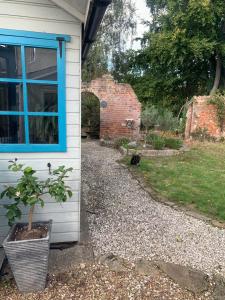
(195, 178)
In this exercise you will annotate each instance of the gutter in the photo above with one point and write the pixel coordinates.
(96, 13)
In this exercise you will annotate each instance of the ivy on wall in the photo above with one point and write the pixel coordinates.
(218, 100)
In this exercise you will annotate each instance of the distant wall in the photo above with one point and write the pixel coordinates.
(202, 115)
(120, 110)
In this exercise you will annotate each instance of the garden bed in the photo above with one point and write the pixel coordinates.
(152, 152)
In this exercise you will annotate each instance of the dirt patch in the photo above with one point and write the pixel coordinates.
(37, 232)
(97, 281)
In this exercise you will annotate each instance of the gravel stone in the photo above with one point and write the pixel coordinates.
(126, 221)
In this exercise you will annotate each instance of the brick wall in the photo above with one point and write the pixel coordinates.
(202, 115)
(120, 110)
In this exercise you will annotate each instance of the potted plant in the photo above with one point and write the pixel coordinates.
(27, 244)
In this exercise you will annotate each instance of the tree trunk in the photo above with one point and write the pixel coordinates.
(30, 218)
(218, 76)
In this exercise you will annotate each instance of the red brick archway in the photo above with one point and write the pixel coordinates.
(120, 110)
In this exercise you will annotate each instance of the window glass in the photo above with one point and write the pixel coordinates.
(43, 130)
(12, 130)
(41, 63)
(11, 96)
(10, 61)
(42, 98)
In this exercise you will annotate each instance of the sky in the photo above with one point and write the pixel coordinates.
(142, 13)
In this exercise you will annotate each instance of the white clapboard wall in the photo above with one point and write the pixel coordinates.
(43, 16)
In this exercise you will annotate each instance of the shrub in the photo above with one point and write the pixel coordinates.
(167, 121)
(149, 117)
(173, 143)
(123, 141)
(152, 116)
(150, 137)
(157, 141)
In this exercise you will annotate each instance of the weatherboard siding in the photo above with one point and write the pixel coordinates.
(43, 16)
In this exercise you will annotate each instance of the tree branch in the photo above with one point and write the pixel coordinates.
(218, 76)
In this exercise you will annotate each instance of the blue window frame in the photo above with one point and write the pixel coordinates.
(32, 92)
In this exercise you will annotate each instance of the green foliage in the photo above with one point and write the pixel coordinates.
(163, 118)
(123, 141)
(219, 101)
(202, 135)
(29, 189)
(157, 141)
(90, 116)
(173, 143)
(166, 121)
(179, 52)
(150, 137)
(149, 116)
(118, 25)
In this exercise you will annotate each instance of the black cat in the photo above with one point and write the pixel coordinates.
(135, 160)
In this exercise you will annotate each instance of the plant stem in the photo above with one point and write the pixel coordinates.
(30, 218)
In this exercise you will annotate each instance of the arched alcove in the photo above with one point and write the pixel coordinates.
(90, 115)
(120, 109)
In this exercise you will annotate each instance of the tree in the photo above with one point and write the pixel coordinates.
(29, 191)
(182, 54)
(117, 27)
(196, 30)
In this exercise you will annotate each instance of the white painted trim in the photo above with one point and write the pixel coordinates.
(87, 10)
(72, 10)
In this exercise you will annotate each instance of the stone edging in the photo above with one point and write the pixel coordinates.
(193, 280)
(157, 197)
(151, 152)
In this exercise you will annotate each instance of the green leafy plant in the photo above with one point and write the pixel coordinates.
(29, 190)
(123, 141)
(167, 122)
(219, 101)
(173, 143)
(157, 141)
(150, 137)
(149, 117)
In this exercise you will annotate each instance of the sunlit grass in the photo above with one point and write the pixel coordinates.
(195, 178)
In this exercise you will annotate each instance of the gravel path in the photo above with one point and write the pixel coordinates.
(125, 221)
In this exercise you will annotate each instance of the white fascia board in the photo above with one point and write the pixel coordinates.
(87, 10)
(72, 10)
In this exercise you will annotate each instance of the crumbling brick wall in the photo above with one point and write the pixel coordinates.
(120, 110)
(202, 115)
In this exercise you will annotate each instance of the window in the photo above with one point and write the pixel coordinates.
(32, 92)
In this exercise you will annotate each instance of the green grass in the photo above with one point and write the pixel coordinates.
(195, 178)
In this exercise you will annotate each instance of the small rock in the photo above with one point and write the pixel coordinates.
(219, 289)
(114, 263)
(145, 267)
(132, 144)
(218, 224)
(82, 266)
(193, 280)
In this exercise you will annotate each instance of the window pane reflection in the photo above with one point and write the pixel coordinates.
(42, 98)
(41, 64)
(11, 96)
(10, 61)
(12, 130)
(43, 130)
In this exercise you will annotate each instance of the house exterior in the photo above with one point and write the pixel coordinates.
(42, 45)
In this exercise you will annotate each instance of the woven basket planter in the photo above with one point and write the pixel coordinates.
(28, 259)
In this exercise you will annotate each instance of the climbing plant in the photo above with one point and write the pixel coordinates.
(219, 101)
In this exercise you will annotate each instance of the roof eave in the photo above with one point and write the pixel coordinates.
(96, 13)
